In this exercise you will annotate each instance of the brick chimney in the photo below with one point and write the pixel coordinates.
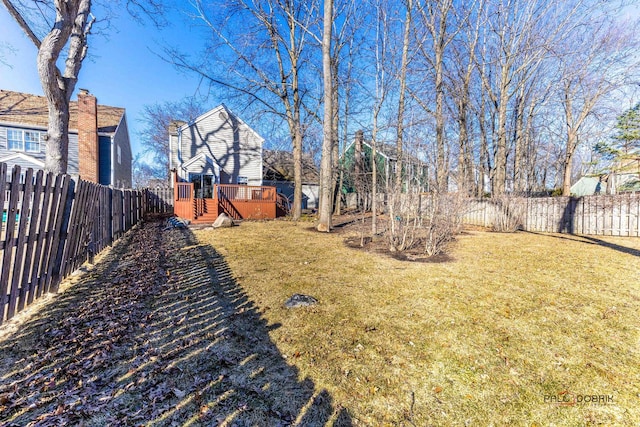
(88, 136)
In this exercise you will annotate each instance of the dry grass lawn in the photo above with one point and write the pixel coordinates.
(516, 330)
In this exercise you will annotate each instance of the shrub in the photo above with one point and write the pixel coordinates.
(427, 223)
(509, 214)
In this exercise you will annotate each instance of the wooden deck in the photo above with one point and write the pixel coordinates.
(237, 201)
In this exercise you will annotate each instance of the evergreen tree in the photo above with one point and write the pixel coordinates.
(626, 141)
(627, 138)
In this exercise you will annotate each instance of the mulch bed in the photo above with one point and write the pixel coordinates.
(357, 231)
(158, 332)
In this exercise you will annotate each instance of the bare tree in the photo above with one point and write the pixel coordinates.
(436, 18)
(380, 95)
(154, 136)
(461, 74)
(517, 38)
(71, 26)
(601, 60)
(396, 240)
(262, 64)
(324, 218)
(67, 24)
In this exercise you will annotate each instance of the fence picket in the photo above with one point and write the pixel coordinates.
(17, 288)
(591, 215)
(31, 245)
(51, 284)
(52, 224)
(7, 266)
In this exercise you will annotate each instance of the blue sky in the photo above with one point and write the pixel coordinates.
(122, 70)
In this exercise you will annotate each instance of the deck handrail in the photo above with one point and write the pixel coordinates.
(247, 193)
(184, 191)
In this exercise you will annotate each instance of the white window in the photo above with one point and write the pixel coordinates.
(243, 180)
(24, 140)
(119, 154)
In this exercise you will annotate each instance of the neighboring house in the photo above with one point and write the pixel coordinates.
(99, 147)
(358, 173)
(624, 177)
(277, 170)
(215, 148)
(588, 185)
(216, 166)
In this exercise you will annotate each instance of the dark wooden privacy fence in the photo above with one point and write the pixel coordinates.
(158, 200)
(51, 224)
(602, 215)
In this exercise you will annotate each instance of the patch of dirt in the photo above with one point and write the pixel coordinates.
(357, 232)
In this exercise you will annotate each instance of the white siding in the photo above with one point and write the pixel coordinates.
(72, 167)
(229, 142)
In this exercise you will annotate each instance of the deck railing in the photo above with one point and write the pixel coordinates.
(183, 202)
(237, 201)
(184, 191)
(246, 193)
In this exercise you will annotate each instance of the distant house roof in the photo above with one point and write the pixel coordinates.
(31, 110)
(587, 186)
(277, 165)
(389, 152)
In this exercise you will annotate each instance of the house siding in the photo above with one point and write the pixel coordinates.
(72, 166)
(122, 170)
(230, 143)
(310, 192)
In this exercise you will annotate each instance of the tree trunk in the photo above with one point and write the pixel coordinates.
(465, 156)
(572, 144)
(519, 165)
(324, 220)
(485, 166)
(500, 162)
(297, 128)
(374, 173)
(297, 173)
(70, 26)
(335, 156)
(401, 101)
(441, 172)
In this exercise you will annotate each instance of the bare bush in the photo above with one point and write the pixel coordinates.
(442, 221)
(509, 214)
(426, 222)
(404, 221)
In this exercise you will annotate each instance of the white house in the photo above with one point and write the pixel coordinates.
(215, 148)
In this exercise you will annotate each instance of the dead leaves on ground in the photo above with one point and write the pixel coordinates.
(66, 368)
(132, 344)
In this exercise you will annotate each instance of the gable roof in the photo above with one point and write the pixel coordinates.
(32, 110)
(277, 165)
(388, 151)
(181, 125)
(26, 158)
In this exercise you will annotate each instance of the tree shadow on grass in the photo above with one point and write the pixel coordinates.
(159, 333)
(590, 240)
